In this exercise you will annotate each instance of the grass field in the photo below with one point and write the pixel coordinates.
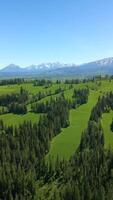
(13, 119)
(65, 144)
(8, 89)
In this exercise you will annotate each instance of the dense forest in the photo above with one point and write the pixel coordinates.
(89, 173)
(23, 148)
(24, 171)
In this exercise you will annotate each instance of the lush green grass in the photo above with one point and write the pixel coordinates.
(8, 89)
(65, 144)
(13, 119)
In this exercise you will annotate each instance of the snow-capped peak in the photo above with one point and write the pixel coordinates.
(105, 61)
(49, 66)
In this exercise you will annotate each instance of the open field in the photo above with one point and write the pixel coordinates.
(14, 119)
(8, 89)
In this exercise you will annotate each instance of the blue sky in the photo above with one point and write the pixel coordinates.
(36, 31)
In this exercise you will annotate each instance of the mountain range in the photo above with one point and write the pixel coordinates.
(103, 66)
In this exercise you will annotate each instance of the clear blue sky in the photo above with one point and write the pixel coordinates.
(35, 31)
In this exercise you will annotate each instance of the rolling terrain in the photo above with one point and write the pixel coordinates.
(64, 144)
(44, 140)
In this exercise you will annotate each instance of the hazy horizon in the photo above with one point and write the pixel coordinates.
(35, 64)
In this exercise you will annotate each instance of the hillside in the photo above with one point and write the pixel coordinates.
(55, 134)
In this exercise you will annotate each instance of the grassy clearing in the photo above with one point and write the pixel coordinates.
(65, 144)
(13, 119)
(8, 89)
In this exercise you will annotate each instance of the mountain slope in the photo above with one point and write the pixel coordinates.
(11, 68)
(104, 66)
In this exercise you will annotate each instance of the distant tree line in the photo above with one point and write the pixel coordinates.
(72, 81)
(42, 82)
(12, 81)
(88, 79)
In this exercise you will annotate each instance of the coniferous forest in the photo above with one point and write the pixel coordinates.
(28, 171)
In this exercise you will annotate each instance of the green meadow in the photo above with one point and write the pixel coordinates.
(14, 119)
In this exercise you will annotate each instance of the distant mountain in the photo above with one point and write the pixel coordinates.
(33, 70)
(11, 68)
(47, 66)
(105, 62)
(11, 71)
(104, 66)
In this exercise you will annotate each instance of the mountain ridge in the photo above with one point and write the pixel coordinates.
(102, 66)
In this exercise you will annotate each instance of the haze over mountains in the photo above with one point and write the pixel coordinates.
(104, 66)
